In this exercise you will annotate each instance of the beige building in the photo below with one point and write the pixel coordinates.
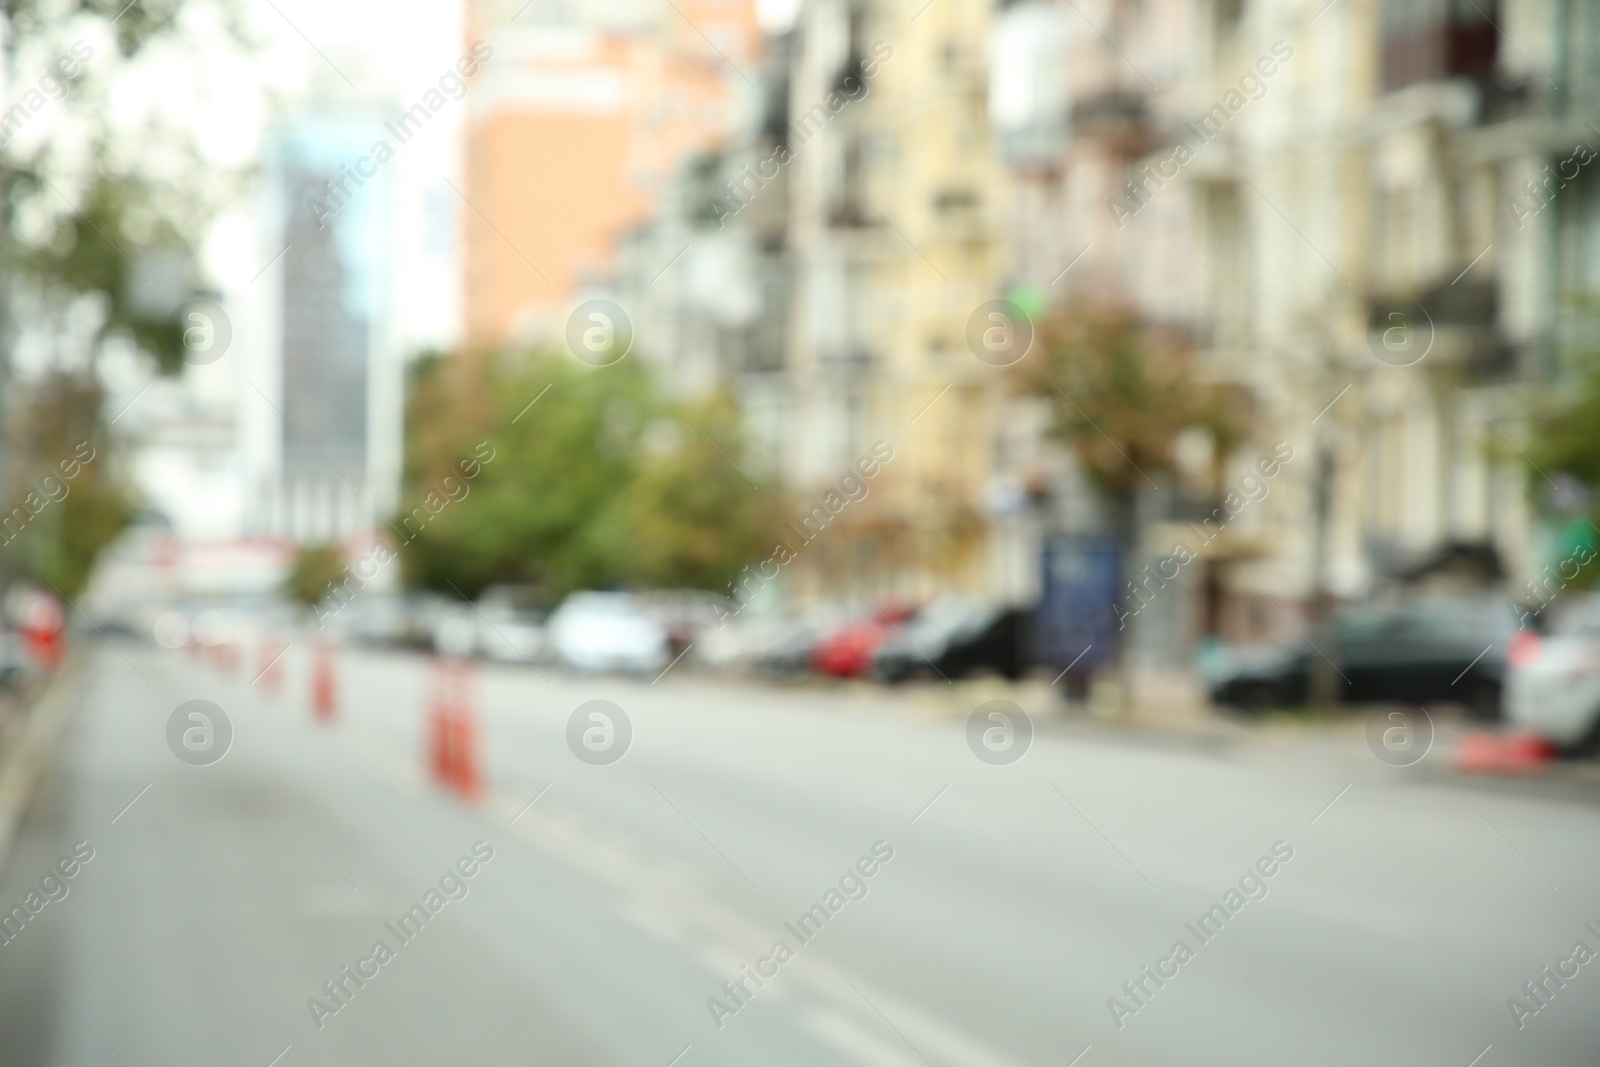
(895, 226)
(578, 124)
(1324, 199)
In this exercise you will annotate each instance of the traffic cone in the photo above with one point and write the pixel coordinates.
(452, 730)
(1484, 752)
(469, 781)
(324, 686)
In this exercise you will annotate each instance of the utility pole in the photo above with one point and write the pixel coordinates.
(1324, 675)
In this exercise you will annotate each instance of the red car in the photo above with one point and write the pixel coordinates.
(847, 653)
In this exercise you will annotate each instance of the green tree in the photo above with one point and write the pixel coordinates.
(73, 502)
(1122, 391)
(315, 568)
(1566, 437)
(580, 477)
(80, 210)
(1565, 446)
(689, 518)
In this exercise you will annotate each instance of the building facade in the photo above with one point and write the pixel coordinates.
(577, 128)
(1333, 201)
(323, 408)
(894, 242)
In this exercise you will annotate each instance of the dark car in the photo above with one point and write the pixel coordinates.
(1419, 653)
(953, 637)
(13, 660)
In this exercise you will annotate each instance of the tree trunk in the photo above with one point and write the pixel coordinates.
(1325, 680)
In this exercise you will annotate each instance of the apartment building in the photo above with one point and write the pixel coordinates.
(1324, 197)
(577, 126)
(706, 277)
(894, 241)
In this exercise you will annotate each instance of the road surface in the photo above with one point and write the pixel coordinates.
(961, 913)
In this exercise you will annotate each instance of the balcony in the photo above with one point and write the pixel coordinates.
(1463, 329)
(1436, 40)
(1114, 114)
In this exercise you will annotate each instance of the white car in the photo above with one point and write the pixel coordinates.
(1553, 679)
(608, 632)
(510, 626)
(455, 630)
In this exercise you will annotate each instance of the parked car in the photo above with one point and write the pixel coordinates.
(455, 629)
(847, 652)
(510, 624)
(376, 619)
(686, 615)
(422, 615)
(783, 647)
(1433, 651)
(608, 632)
(1553, 685)
(953, 637)
(14, 664)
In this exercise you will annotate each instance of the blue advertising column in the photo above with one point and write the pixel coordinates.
(1078, 604)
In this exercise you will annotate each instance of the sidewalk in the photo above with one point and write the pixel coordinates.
(29, 732)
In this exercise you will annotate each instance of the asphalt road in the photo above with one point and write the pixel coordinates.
(1017, 902)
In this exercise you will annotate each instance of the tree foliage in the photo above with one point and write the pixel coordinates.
(315, 568)
(579, 478)
(1565, 449)
(70, 517)
(1122, 391)
(89, 209)
(1566, 438)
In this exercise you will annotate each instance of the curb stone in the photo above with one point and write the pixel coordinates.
(24, 766)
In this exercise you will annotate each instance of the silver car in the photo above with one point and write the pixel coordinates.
(1553, 679)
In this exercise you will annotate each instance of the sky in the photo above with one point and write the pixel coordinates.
(386, 54)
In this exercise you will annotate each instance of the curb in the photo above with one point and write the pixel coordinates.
(23, 768)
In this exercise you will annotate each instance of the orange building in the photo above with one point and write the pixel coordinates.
(577, 123)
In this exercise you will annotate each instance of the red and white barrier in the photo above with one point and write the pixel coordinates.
(453, 729)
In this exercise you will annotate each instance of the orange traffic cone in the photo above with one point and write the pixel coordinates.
(452, 730)
(469, 781)
(324, 686)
